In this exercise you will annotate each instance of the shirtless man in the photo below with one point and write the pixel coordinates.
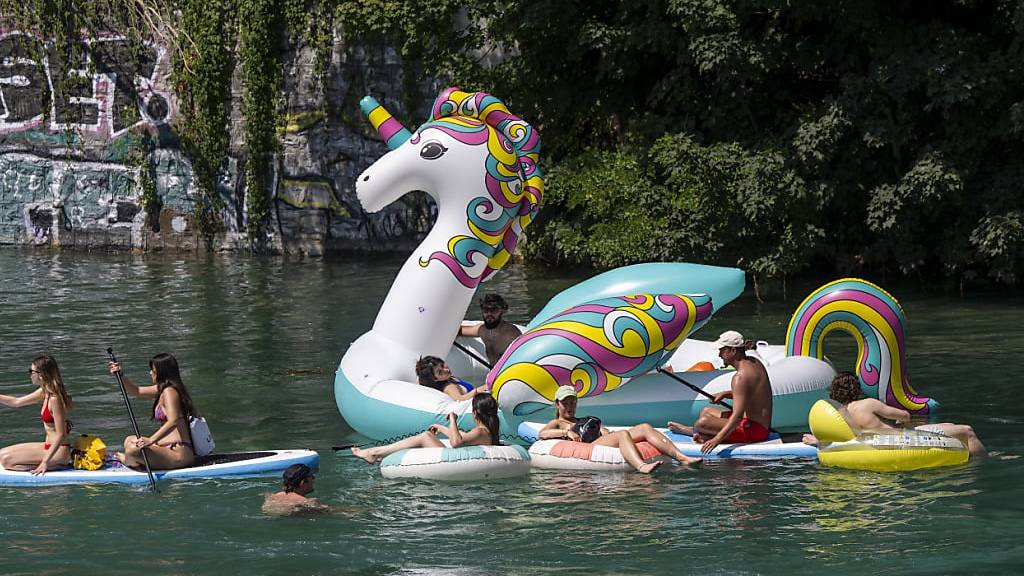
(496, 333)
(298, 482)
(751, 416)
(870, 413)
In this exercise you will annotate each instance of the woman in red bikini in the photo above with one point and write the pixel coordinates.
(55, 452)
(170, 446)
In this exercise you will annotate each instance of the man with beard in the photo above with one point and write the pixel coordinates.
(496, 333)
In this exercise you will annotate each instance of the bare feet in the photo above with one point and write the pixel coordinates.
(698, 439)
(365, 455)
(648, 467)
(687, 460)
(680, 428)
(810, 439)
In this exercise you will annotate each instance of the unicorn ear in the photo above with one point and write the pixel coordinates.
(389, 128)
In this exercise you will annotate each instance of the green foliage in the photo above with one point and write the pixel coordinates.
(259, 53)
(202, 78)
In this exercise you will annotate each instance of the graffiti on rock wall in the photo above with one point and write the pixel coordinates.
(100, 87)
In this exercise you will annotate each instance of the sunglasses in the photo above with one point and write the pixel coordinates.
(32, 371)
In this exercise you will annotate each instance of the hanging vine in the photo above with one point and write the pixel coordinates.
(202, 80)
(260, 55)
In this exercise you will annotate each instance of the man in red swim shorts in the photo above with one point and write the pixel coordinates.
(751, 394)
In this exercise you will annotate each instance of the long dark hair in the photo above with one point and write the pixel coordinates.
(485, 409)
(425, 372)
(167, 374)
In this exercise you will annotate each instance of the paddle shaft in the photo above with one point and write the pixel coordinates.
(696, 389)
(131, 416)
(473, 355)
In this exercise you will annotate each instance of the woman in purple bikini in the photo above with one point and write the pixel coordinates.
(170, 446)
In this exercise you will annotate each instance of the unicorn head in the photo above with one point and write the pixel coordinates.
(478, 162)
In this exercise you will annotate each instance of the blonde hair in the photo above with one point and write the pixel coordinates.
(53, 384)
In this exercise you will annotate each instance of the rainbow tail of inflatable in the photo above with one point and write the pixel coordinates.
(875, 319)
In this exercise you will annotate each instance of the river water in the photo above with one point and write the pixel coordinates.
(259, 340)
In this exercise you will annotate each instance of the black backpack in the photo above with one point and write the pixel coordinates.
(588, 427)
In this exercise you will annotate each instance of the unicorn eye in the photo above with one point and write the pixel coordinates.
(432, 150)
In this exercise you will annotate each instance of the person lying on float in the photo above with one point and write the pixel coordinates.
(433, 372)
(485, 415)
(750, 418)
(873, 414)
(565, 425)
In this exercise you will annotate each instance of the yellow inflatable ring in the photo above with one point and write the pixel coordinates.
(885, 450)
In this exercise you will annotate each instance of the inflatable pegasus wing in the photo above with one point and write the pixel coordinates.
(596, 347)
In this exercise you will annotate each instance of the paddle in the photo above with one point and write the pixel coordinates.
(472, 355)
(696, 389)
(131, 416)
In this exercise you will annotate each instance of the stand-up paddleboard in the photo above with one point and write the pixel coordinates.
(775, 447)
(212, 466)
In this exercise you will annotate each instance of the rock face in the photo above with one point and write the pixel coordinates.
(78, 140)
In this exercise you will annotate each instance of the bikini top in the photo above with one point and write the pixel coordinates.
(47, 417)
(158, 414)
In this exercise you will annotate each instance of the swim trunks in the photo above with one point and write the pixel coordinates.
(747, 431)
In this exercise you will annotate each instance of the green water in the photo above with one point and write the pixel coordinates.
(259, 340)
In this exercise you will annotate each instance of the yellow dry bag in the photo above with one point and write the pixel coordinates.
(88, 453)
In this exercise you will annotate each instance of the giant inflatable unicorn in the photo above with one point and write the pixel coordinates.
(603, 336)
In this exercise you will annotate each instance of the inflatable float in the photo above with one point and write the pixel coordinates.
(772, 449)
(603, 336)
(212, 466)
(882, 450)
(457, 464)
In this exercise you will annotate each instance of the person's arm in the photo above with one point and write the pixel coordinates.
(553, 430)
(19, 401)
(61, 427)
(470, 330)
(454, 391)
(453, 433)
(739, 398)
(129, 386)
(886, 412)
(171, 403)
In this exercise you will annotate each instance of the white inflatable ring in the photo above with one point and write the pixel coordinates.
(569, 455)
(462, 463)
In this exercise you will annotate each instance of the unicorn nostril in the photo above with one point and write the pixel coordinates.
(365, 178)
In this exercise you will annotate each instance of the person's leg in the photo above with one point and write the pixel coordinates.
(965, 431)
(680, 428)
(22, 457)
(421, 440)
(624, 442)
(167, 458)
(646, 432)
(708, 425)
(132, 456)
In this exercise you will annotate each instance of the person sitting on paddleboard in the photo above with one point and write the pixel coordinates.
(565, 426)
(170, 446)
(751, 416)
(55, 452)
(873, 414)
(485, 416)
(433, 372)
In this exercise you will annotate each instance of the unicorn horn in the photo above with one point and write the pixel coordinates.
(390, 129)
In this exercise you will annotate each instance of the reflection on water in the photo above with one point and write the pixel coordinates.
(259, 341)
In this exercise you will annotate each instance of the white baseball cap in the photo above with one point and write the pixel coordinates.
(729, 339)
